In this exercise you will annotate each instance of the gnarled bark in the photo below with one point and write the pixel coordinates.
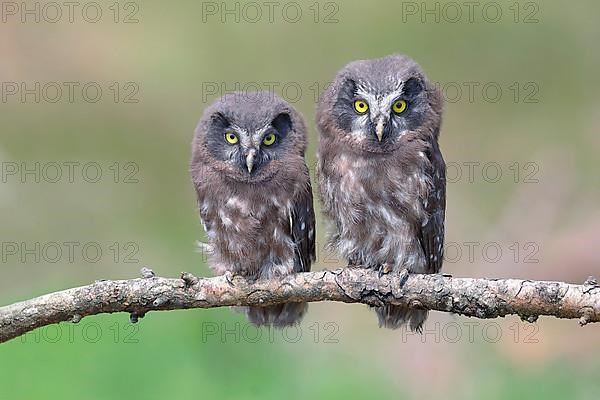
(480, 298)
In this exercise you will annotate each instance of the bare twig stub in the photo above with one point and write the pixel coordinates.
(480, 298)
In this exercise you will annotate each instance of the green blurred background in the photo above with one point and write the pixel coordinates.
(157, 75)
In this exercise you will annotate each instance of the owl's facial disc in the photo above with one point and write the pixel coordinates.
(383, 121)
(247, 151)
(378, 118)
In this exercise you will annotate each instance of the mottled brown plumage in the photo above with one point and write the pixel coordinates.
(381, 174)
(255, 200)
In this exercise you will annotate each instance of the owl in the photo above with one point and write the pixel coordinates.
(381, 174)
(254, 194)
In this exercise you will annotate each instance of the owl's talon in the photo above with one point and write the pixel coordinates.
(385, 269)
(229, 276)
(404, 274)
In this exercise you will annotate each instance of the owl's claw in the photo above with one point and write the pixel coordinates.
(404, 274)
(229, 276)
(385, 269)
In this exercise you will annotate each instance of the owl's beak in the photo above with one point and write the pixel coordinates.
(250, 160)
(379, 128)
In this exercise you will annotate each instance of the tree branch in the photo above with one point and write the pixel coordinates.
(480, 298)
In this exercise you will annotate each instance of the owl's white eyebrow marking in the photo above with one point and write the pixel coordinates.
(379, 104)
(396, 85)
(258, 135)
(364, 86)
(239, 129)
(246, 138)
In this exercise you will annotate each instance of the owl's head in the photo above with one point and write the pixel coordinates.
(377, 105)
(249, 136)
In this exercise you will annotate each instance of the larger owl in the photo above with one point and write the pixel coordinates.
(254, 193)
(381, 173)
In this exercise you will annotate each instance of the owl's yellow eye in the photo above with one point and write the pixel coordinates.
(231, 138)
(399, 106)
(361, 106)
(269, 139)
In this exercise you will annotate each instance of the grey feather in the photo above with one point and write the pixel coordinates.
(381, 174)
(252, 210)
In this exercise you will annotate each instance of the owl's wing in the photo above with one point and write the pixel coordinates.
(302, 229)
(432, 231)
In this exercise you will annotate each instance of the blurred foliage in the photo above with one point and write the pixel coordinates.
(175, 55)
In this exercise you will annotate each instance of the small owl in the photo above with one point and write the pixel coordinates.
(254, 193)
(381, 173)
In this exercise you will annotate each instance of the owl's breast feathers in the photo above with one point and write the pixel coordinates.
(383, 205)
(257, 230)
